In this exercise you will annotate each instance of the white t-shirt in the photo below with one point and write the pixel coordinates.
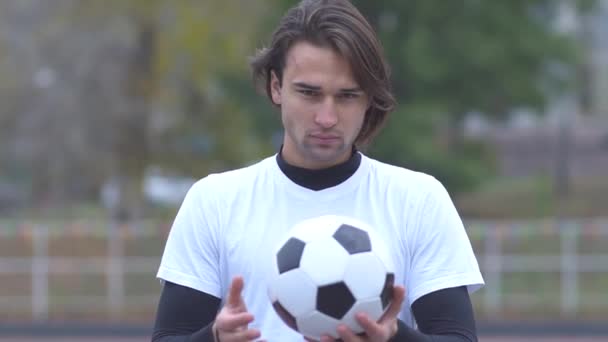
(230, 222)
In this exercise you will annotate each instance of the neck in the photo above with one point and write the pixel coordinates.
(323, 178)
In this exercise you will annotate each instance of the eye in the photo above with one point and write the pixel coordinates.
(349, 95)
(309, 93)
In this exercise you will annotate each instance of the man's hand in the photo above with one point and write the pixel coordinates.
(380, 331)
(231, 323)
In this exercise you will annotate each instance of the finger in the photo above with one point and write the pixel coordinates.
(234, 294)
(348, 335)
(234, 321)
(243, 335)
(373, 329)
(395, 307)
(326, 338)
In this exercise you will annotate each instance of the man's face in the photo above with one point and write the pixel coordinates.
(322, 107)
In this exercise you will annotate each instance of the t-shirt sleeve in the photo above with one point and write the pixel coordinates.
(442, 255)
(191, 256)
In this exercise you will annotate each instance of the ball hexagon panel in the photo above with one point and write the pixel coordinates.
(387, 291)
(324, 261)
(317, 324)
(365, 275)
(288, 257)
(373, 308)
(334, 300)
(295, 291)
(352, 239)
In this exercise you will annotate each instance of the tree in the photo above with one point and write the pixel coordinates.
(451, 58)
(136, 83)
(178, 113)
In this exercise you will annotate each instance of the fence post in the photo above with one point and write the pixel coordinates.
(115, 270)
(40, 273)
(493, 269)
(569, 266)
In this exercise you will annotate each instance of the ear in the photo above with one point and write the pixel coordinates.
(275, 88)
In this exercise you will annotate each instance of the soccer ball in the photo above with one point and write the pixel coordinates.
(326, 270)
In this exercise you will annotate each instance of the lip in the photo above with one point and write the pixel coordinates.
(325, 139)
(324, 136)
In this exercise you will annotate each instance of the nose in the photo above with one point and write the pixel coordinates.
(327, 114)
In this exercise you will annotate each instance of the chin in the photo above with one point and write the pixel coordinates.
(329, 156)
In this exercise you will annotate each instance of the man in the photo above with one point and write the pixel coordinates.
(325, 71)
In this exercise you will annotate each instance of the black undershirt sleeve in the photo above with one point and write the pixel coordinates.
(185, 314)
(442, 316)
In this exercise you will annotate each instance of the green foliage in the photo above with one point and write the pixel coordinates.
(447, 58)
(408, 140)
(452, 58)
(483, 55)
(200, 48)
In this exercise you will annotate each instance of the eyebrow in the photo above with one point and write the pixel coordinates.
(303, 85)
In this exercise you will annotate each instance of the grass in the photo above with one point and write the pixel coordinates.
(534, 197)
(536, 295)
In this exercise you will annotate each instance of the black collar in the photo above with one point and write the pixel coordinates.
(322, 178)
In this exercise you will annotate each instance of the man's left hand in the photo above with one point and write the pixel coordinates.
(382, 330)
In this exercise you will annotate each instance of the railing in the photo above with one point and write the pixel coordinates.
(112, 266)
(81, 270)
(570, 257)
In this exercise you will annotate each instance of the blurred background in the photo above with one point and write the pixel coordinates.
(112, 109)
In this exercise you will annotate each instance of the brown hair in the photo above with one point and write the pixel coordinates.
(338, 24)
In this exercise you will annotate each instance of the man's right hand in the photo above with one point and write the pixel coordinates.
(231, 323)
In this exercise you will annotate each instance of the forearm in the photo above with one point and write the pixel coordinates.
(203, 335)
(184, 315)
(442, 316)
(407, 334)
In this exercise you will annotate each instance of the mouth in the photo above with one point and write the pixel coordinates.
(325, 138)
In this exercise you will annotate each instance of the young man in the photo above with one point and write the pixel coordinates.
(325, 71)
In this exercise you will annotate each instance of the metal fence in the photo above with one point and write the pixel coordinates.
(570, 257)
(43, 256)
(83, 270)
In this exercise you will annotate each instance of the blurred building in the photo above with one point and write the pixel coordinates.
(573, 132)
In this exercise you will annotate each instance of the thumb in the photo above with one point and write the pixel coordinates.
(234, 294)
(395, 306)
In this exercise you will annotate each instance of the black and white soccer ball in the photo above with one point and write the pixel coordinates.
(326, 270)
